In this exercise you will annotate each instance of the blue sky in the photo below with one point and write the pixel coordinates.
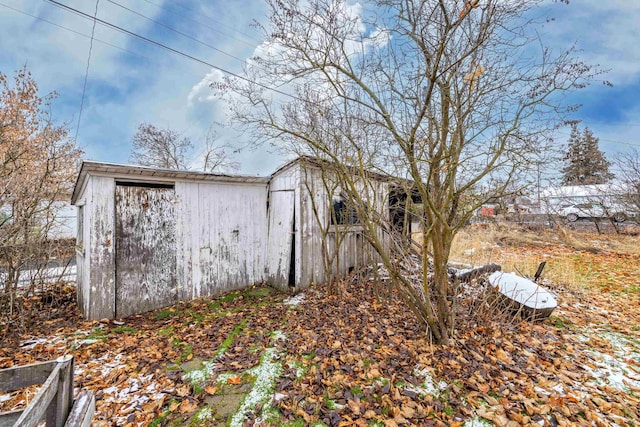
(130, 81)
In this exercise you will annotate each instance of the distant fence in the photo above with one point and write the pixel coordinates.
(53, 402)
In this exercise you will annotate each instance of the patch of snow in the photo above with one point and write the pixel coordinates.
(295, 300)
(203, 414)
(107, 367)
(278, 336)
(201, 375)
(622, 344)
(428, 386)
(223, 377)
(477, 422)
(266, 373)
(29, 344)
(278, 397)
(613, 372)
(542, 391)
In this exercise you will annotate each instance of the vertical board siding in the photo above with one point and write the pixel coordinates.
(145, 249)
(286, 180)
(280, 236)
(224, 240)
(101, 280)
(187, 240)
(354, 250)
(232, 223)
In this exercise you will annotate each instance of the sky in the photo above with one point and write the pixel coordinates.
(130, 81)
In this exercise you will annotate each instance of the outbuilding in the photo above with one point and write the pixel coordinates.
(148, 238)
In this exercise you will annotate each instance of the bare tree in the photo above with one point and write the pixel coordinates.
(451, 96)
(37, 169)
(161, 148)
(168, 149)
(629, 175)
(215, 156)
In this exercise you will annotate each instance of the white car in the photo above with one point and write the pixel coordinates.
(592, 210)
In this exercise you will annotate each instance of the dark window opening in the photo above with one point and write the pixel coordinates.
(343, 214)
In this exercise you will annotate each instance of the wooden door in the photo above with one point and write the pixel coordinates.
(280, 240)
(145, 248)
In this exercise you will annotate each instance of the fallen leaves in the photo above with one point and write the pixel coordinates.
(234, 380)
(356, 357)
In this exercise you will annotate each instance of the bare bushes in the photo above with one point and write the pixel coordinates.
(37, 166)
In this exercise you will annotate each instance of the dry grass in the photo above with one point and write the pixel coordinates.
(573, 258)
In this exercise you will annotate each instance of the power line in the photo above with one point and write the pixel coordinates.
(71, 30)
(607, 140)
(178, 52)
(209, 26)
(176, 31)
(86, 73)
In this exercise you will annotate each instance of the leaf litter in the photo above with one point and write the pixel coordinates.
(351, 355)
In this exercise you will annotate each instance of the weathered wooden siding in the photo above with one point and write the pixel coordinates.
(82, 252)
(354, 250)
(222, 230)
(280, 236)
(187, 239)
(101, 253)
(280, 206)
(221, 233)
(145, 249)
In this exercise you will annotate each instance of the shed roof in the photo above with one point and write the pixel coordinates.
(320, 163)
(149, 174)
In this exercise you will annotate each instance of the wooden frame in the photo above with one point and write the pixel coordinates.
(54, 399)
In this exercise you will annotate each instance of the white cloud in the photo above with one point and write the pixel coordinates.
(202, 91)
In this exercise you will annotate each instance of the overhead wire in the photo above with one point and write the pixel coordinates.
(175, 30)
(606, 140)
(175, 51)
(86, 73)
(72, 30)
(217, 30)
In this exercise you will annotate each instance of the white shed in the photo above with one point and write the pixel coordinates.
(148, 238)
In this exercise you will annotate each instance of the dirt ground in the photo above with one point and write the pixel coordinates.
(354, 354)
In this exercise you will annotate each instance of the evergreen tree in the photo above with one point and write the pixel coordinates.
(586, 164)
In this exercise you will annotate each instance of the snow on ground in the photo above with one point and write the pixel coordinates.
(613, 370)
(477, 422)
(428, 386)
(266, 373)
(199, 376)
(295, 300)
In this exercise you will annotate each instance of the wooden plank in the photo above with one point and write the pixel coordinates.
(82, 411)
(101, 275)
(187, 232)
(24, 376)
(38, 406)
(8, 419)
(231, 239)
(145, 249)
(281, 213)
(59, 407)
